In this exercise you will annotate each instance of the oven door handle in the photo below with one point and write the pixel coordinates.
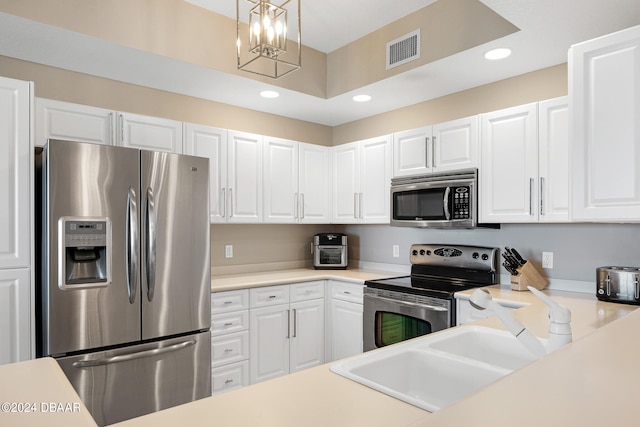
(414, 304)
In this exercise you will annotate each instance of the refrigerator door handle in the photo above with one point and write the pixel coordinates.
(132, 243)
(133, 356)
(150, 245)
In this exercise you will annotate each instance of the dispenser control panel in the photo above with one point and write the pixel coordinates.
(85, 233)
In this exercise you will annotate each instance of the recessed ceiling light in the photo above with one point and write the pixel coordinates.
(362, 98)
(269, 94)
(499, 53)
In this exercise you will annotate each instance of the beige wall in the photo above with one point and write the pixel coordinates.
(446, 28)
(535, 86)
(63, 85)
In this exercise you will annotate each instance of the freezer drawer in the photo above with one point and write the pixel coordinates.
(120, 384)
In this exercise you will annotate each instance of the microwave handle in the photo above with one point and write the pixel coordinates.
(445, 202)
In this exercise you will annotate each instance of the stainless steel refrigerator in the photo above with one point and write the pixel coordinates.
(124, 290)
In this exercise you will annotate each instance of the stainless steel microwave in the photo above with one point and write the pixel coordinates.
(439, 200)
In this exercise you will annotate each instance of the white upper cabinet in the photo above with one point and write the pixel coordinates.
(509, 165)
(296, 182)
(149, 133)
(244, 177)
(553, 160)
(604, 91)
(524, 164)
(314, 184)
(210, 142)
(281, 195)
(439, 148)
(15, 173)
(72, 122)
(361, 181)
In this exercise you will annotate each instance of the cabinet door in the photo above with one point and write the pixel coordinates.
(150, 133)
(412, 153)
(280, 171)
(314, 184)
(509, 166)
(604, 90)
(15, 321)
(210, 142)
(269, 337)
(244, 177)
(346, 329)
(307, 334)
(72, 122)
(455, 145)
(553, 160)
(16, 159)
(375, 180)
(346, 182)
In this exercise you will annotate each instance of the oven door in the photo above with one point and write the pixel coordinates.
(330, 256)
(391, 317)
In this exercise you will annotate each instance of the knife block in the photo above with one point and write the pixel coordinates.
(528, 275)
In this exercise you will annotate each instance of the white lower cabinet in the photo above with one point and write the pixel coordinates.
(229, 340)
(15, 320)
(344, 337)
(286, 331)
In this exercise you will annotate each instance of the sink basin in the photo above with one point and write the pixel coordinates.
(491, 346)
(436, 370)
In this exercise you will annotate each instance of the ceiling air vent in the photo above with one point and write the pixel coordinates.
(403, 49)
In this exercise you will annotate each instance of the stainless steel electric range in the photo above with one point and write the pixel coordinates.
(401, 308)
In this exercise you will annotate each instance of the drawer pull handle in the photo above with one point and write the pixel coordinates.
(228, 350)
(228, 302)
(228, 324)
(271, 296)
(228, 381)
(347, 293)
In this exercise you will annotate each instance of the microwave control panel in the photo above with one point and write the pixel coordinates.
(461, 202)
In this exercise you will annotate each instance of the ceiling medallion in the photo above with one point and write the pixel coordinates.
(270, 50)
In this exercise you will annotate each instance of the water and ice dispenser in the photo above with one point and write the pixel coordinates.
(84, 253)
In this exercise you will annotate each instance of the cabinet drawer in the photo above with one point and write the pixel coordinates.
(307, 290)
(269, 295)
(227, 323)
(225, 302)
(229, 348)
(229, 377)
(351, 292)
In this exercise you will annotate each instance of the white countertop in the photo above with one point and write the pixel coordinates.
(564, 388)
(251, 280)
(37, 393)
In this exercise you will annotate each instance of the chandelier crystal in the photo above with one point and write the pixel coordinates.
(270, 49)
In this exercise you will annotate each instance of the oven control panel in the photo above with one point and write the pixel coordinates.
(458, 256)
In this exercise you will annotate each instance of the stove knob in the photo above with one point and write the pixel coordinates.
(422, 252)
(414, 252)
(475, 255)
(485, 257)
(428, 252)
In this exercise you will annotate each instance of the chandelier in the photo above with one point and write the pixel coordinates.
(269, 48)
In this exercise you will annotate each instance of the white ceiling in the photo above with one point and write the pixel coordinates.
(548, 28)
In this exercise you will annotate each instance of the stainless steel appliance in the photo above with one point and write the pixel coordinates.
(618, 284)
(330, 251)
(444, 200)
(123, 292)
(401, 308)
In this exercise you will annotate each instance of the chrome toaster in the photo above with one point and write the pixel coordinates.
(618, 284)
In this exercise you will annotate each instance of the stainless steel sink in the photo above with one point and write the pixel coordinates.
(436, 370)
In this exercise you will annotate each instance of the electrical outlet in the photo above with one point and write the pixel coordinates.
(228, 251)
(547, 260)
(396, 251)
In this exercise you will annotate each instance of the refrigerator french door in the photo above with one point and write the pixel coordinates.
(125, 285)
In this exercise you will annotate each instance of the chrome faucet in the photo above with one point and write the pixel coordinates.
(559, 328)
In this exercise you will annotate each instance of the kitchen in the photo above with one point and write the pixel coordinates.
(286, 246)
